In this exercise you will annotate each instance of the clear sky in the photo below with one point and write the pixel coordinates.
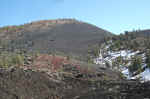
(113, 15)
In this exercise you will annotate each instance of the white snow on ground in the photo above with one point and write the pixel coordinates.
(112, 55)
(146, 74)
(126, 73)
(123, 53)
(127, 55)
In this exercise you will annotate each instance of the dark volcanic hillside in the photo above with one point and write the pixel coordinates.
(64, 35)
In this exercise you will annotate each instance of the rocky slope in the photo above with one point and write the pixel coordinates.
(55, 77)
(64, 35)
(28, 84)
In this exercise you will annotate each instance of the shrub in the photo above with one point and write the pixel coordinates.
(9, 59)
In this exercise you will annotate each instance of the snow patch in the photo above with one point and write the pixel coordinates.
(110, 56)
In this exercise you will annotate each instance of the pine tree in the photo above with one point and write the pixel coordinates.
(148, 59)
(136, 65)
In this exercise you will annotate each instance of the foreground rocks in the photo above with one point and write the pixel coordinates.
(18, 83)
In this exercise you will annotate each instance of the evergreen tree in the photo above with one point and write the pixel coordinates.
(148, 59)
(136, 44)
(136, 65)
(117, 44)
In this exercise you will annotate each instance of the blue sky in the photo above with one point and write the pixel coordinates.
(113, 15)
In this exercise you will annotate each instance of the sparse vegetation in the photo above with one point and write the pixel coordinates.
(148, 59)
(136, 65)
(136, 40)
(56, 71)
(9, 59)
